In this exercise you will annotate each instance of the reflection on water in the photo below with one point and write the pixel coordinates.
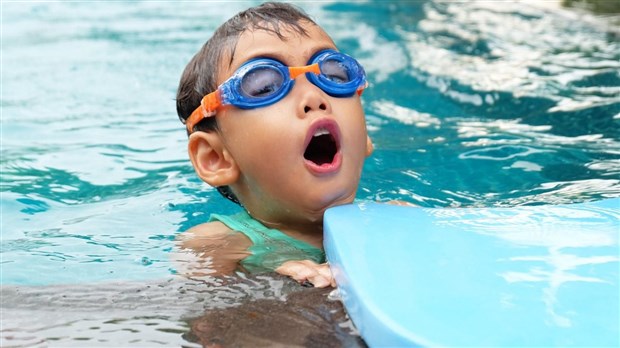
(240, 311)
(527, 95)
(470, 104)
(579, 246)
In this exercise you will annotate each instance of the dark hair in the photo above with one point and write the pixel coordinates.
(200, 74)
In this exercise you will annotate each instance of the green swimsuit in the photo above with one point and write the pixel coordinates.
(270, 247)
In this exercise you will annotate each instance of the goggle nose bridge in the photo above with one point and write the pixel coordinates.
(295, 71)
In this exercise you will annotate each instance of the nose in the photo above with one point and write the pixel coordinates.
(312, 98)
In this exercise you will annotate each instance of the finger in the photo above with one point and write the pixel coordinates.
(308, 273)
(325, 271)
(319, 281)
(297, 270)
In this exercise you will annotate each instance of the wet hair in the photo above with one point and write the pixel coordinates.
(200, 75)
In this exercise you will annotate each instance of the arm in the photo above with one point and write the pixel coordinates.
(213, 249)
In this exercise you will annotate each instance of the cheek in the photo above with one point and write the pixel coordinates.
(354, 123)
(258, 141)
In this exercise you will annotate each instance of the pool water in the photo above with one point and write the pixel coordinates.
(470, 104)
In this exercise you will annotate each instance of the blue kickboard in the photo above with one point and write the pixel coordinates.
(521, 276)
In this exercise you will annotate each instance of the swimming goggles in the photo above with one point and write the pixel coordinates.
(263, 81)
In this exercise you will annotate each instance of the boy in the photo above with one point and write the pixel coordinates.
(275, 123)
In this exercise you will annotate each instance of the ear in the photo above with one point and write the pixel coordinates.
(212, 161)
(369, 146)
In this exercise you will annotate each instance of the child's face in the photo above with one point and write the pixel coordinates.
(279, 181)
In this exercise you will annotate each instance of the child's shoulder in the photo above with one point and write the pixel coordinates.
(211, 249)
(212, 234)
(213, 228)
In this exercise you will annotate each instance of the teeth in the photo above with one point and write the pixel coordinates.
(320, 131)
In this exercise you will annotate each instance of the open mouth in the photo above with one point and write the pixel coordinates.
(322, 153)
(322, 147)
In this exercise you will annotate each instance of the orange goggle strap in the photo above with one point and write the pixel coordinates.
(207, 108)
(361, 89)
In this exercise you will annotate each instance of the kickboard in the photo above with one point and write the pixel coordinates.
(521, 276)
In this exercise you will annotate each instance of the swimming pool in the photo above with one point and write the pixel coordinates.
(475, 104)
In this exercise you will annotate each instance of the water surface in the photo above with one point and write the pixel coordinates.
(470, 104)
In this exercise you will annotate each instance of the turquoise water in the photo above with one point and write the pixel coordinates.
(470, 104)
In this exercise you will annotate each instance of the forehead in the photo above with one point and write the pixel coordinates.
(293, 49)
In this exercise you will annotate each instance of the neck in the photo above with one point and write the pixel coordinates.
(310, 232)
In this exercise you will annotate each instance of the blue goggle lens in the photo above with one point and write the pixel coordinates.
(261, 82)
(265, 81)
(335, 71)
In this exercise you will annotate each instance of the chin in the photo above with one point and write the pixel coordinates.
(314, 213)
(334, 200)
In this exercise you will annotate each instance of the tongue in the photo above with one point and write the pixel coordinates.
(321, 149)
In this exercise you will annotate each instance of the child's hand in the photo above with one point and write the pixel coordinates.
(308, 271)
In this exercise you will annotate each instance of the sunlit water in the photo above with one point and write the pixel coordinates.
(470, 104)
